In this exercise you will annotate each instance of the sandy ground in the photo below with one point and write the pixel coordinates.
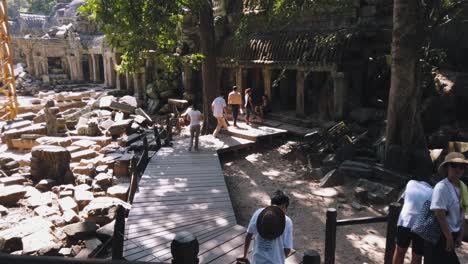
(252, 176)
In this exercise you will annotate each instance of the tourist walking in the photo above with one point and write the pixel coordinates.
(249, 106)
(219, 108)
(273, 233)
(417, 192)
(448, 206)
(195, 117)
(235, 101)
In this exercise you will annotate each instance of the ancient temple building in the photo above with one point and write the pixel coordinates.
(300, 75)
(66, 48)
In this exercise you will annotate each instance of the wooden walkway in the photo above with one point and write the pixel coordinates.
(186, 191)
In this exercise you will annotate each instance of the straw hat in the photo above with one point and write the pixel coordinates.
(452, 157)
(271, 222)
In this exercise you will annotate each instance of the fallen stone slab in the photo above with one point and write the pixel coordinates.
(83, 154)
(55, 141)
(377, 192)
(70, 217)
(106, 124)
(84, 253)
(50, 162)
(331, 179)
(4, 160)
(10, 195)
(66, 252)
(12, 237)
(45, 211)
(3, 210)
(24, 144)
(92, 243)
(13, 180)
(82, 188)
(119, 191)
(31, 191)
(80, 230)
(17, 125)
(104, 180)
(128, 100)
(84, 143)
(128, 140)
(106, 231)
(16, 133)
(42, 199)
(120, 127)
(45, 185)
(100, 140)
(83, 198)
(103, 210)
(141, 112)
(125, 108)
(68, 203)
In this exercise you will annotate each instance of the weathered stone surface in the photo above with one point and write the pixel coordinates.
(84, 143)
(40, 200)
(17, 125)
(12, 237)
(361, 194)
(83, 198)
(92, 243)
(119, 191)
(355, 169)
(106, 124)
(80, 230)
(45, 185)
(129, 100)
(141, 112)
(5, 159)
(102, 169)
(84, 253)
(377, 192)
(120, 127)
(81, 179)
(31, 191)
(67, 193)
(331, 179)
(11, 165)
(13, 180)
(106, 101)
(50, 162)
(10, 195)
(103, 210)
(83, 154)
(66, 252)
(57, 220)
(82, 187)
(42, 240)
(68, 203)
(104, 180)
(125, 108)
(45, 211)
(3, 210)
(87, 170)
(106, 231)
(70, 217)
(55, 141)
(16, 133)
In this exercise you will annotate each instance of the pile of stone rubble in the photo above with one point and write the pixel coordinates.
(65, 169)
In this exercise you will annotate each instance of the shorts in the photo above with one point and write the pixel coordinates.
(404, 237)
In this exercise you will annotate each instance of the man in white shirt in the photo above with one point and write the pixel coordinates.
(195, 118)
(417, 192)
(219, 108)
(273, 232)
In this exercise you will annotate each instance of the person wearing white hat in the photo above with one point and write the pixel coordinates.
(447, 207)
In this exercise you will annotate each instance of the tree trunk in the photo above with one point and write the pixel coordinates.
(404, 126)
(209, 69)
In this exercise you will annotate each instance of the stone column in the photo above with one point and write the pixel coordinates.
(130, 83)
(110, 74)
(267, 81)
(30, 61)
(76, 70)
(137, 89)
(300, 86)
(339, 88)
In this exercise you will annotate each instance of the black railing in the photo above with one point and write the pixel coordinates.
(18, 259)
(332, 223)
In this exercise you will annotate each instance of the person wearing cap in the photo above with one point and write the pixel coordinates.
(219, 108)
(449, 209)
(235, 101)
(417, 192)
(273, 233)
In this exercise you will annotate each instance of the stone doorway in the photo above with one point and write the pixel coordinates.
(85, 62)
(254, 80)
(313, 94)
(101, 67)
(283, 91)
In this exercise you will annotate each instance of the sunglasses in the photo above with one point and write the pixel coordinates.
(457, 166)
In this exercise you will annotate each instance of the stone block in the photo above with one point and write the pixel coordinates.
(82, 188)
(45, 185)
(141, 112)
(45, 211)
(12, 237)
(68, 193)
(13, 180)
(83, 198)
(42, 199)
(103, 210)
(80, 230)
(92, 243)
(68, 203)
(331, 179)
(42, 240)
(83, 154)
(119, 191)
(106, 231)
(3, 210)
(106, 124)
(50, 162)
(55, 141)
(125, 108)
(70, 217)
(104, 180)
(377, 192)
(120, 127)
(10, 195)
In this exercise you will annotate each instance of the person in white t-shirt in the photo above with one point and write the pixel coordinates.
(447, 207)
(417, 192)
(273, 233)
(219, 108)
(195, 118)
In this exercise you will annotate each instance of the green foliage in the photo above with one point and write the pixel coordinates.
(41, 6)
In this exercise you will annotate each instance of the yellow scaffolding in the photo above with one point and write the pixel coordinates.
(8, 106)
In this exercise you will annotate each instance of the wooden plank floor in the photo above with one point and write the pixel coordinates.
(184, 191)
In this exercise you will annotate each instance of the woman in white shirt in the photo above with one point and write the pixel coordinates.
(447, 207)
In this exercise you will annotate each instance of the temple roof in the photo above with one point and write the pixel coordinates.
(285, 48)
(33, 22)
(91, 41)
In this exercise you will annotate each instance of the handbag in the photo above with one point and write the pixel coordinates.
(426, 225)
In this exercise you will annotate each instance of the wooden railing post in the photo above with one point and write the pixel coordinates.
(119, 230)
(311, 257)
(184, 249)
(330, 236)
(393, 214)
